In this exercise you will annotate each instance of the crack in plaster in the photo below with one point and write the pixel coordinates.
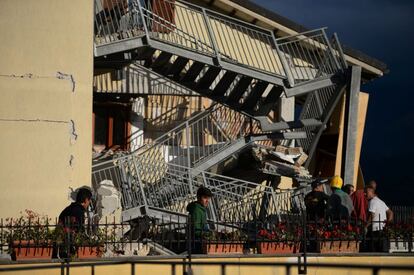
(73, 134)
(59, 75)
(33, 120)
(71, 160)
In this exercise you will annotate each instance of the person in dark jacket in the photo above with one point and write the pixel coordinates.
(73, 216)
(72, 220)
(198, 216)
(198, 210)
(316, 201)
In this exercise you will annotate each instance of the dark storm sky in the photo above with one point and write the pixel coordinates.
(383, 29)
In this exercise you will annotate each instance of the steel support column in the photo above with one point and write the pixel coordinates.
(351, 125)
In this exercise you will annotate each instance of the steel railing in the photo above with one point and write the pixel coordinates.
(299, 58)
(136, 79)
(200, 137)
(166, 187)
(309, 56)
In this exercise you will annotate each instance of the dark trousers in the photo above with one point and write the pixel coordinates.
(376, 241)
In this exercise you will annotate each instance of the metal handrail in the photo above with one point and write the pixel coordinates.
(189, 139)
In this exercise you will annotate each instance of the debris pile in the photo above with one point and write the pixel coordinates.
(283, 161)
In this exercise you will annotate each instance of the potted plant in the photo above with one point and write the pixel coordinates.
(223, 242)
(335, 238)
(283, 239)
(400, 237)
(89, 245)
(29, 236)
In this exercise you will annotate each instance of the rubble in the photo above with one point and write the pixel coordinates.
(283, 161)
(108, 199)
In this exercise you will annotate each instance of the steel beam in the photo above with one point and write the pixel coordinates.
(325, 118)
(285, 125)
(119, 46)
(309, 87)
(351, 125)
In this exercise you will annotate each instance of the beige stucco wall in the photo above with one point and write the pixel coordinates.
(46, 70)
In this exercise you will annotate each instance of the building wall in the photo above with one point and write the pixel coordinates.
(46, 70)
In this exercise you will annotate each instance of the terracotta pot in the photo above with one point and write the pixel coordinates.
(329, 247)
(222, 248)
(30, 250)
(277, 247)
(88, 252)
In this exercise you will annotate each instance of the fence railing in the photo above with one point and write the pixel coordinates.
(168, 188)
(299, 58)
(403, 214)
(293, 234)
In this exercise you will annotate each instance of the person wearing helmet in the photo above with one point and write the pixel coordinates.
(340, 204)
(316, 201)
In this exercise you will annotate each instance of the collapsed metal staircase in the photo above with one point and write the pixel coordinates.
(243, 67)
(208, 138)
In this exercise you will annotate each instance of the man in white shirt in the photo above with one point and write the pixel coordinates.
(378, 215)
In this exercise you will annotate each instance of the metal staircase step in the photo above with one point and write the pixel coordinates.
(270, 101)
(208, 78)
(251, 100)
(193, 72)
(176, 67)
(239, 90)
(162, 60)
(224, 84)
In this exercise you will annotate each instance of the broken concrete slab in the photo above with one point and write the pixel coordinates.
(108, 199)
(301, 160)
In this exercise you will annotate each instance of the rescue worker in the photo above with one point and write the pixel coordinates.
(340, 204)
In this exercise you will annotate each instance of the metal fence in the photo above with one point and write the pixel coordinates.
(293, 234)
(403, 214)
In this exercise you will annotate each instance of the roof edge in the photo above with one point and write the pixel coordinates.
(357, 54)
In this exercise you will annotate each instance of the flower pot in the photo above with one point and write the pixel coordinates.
(277, 247)
(329, 247)
(30, 250)
(88, 252)
(400, 245)
(222, 248)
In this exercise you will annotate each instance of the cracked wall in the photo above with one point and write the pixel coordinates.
(46, 74)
